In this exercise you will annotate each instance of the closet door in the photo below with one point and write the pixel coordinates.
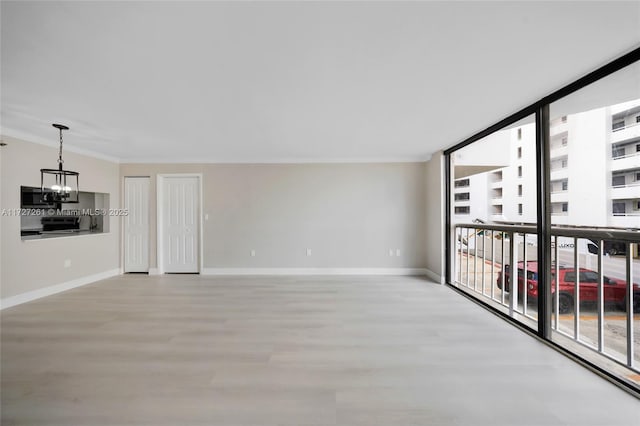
(180, 224)
(136, 224)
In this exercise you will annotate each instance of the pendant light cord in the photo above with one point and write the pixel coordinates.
(60, 161)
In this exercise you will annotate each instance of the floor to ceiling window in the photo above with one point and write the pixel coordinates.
(494, 216)
(595, 148)
(544, 218)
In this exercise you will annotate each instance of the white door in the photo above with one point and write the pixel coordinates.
(136, 224)
(180, 224)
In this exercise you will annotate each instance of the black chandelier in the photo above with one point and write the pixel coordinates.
(59, 185)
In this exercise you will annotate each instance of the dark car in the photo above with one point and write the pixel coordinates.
(615, 247)
(615, 290)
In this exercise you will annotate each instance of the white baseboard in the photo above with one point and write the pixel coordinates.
(435, 277)
(154, 271)
(314, 271)
(57, 288)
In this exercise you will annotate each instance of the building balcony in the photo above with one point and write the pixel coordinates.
(629, 220)
(626, 192)
(560, 173)
(558, 128)
(560, 218)
(627, 162)
(625, 108)
(559, 151)
(560, 197)
(626, 133)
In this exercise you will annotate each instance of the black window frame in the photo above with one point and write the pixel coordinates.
(540, 109)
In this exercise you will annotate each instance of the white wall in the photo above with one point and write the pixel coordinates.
(435, 217)
(35, 266)
(349, 215)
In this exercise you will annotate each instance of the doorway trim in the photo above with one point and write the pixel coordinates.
(161, 178)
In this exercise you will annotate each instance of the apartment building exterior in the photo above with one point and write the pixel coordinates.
(595, 172)
(624, 191)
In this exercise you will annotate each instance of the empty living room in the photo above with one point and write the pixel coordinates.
(319, 213)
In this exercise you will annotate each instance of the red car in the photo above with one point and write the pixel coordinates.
(615, 291)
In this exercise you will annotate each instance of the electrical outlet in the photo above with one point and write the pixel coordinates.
(390, 252)
(253, 253)
(67, 263)
(398, 252)
(308, 252)
(206, 216)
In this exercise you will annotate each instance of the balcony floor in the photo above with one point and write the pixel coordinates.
(198, 350)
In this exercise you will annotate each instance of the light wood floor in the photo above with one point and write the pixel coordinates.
(262, 351)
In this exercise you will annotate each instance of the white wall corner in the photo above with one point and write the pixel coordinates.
(57, 288)
(435, 277)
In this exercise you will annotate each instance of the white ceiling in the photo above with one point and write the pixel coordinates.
(290, 81)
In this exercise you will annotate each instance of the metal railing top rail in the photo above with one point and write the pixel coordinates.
(595, 233)
(631, 236)
(528, 229)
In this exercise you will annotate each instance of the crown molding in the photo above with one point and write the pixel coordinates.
(27, 137)
(283, 160)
